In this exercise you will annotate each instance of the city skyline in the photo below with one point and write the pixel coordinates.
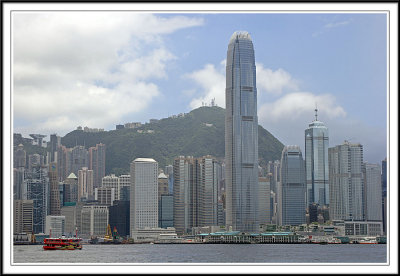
(70, 65)
(333, 65)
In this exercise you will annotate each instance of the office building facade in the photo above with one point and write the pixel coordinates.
(292, 188)
(112, 181)
(241, 135)
(55, 202)
(70, 189)
(119, 217)
(37, 189)
(23, 216)
(94, 220)
(144, 194)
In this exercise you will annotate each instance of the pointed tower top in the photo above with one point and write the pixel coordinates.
(316, 112)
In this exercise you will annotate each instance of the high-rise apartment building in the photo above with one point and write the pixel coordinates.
(316, 160)
(144, 194)
(97, 163)
(55, 203)
(346, 182)
(79, 159)
(209, 177)
(372, 192)
(292, 188)
(185, 200)
(63, 162)
(85, 183)
(195, 192)
(241, 135)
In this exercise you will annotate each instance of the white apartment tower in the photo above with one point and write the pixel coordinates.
(85, 183)
(346, 182)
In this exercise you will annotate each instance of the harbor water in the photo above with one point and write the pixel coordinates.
(204, 253)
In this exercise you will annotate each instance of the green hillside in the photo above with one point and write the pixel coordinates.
(172, 137)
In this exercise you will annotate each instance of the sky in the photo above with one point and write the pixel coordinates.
(99, 69)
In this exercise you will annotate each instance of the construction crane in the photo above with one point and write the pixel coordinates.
(108, 236)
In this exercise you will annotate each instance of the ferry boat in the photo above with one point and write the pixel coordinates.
(368, 240)
(62, 243)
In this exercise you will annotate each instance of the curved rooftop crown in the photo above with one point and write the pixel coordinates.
(240, 35)
(316, 124)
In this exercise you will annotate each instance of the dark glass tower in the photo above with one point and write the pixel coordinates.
(241, 135)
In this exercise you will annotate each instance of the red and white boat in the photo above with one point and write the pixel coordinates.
(62, 243)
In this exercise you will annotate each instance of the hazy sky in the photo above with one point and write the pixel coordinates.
(99, 69)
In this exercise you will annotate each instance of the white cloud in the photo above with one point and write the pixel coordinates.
(87, 68)
(293, 105)
(274, 81)
(212, 83)
(211, 80)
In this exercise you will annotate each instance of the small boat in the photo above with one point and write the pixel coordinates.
(62, 243)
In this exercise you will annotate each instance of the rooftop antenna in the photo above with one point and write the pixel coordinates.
(316, 112)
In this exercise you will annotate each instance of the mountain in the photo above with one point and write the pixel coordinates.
(197, 133)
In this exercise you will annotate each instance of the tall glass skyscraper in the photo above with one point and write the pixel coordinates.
(291, 188)
(317, 169)
(241, 135)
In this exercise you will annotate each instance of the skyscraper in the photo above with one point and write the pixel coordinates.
(384, 194)
(55, 142)
(97, 163)
(292, 189)
(241, 135)
(373, 192)
(20, 157)
(346, 182)
(85, 183)
(71, 188)
(195, 192)
(79, 159)
(317, 169)
(37, 185)
(54, 190)
(185, 199)
(144, 194)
